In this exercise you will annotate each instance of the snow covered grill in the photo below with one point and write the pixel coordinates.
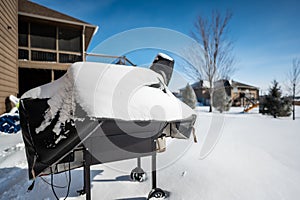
(99, 113)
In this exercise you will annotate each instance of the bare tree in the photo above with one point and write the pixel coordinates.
(218, 60)
(294, 81)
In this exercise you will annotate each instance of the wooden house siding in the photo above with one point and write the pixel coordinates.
(8, 50)
(15, 58)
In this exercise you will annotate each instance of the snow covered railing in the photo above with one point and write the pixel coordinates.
(115, 59)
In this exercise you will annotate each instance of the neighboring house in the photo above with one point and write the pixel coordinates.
(201, 91)
(241, 93)
(297, 101)
(38, 44)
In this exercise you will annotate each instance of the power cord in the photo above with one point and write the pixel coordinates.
(69, 183)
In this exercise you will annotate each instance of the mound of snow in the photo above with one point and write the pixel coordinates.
(256, 157)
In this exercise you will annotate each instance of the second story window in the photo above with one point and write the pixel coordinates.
(69, 39)
(43, 36)
(49, 42)
(23, 34)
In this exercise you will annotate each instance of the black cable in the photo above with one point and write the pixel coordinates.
(52, 184)
(69, 183)
(56, 186)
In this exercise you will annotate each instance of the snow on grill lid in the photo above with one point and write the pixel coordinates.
(113, 91)
(165, 56)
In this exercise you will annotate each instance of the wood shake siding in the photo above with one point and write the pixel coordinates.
(8, 50)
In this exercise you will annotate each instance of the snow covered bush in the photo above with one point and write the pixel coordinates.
(221, 99)
(189, 96)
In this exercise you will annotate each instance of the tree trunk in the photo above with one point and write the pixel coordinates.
(293, 109)
(294, 91)
(211, 98)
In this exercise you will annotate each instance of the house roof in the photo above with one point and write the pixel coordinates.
(242, 85)
(222, 83)
(205, 84)
(30, 9)
(36, 9)
(200, 84)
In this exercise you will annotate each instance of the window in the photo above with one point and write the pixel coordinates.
(49, 43)
(43, 56)
(69, 58)
(23, 54)
(23, 34)
(43, 36)
(69, 39)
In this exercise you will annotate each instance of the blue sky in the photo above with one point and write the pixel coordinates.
(266, 33)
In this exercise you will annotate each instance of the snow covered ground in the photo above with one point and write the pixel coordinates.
(256, 157)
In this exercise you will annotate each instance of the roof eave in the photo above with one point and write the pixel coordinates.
(56, 20)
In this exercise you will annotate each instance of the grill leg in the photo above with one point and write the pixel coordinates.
(86, 175)
(153, 170)
(156, 192)
(139, 162)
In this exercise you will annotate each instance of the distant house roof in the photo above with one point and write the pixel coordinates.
(205, 84)
(30, 9)
(242, 85)
(222, 83)
(200, 84)
(195, 85)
